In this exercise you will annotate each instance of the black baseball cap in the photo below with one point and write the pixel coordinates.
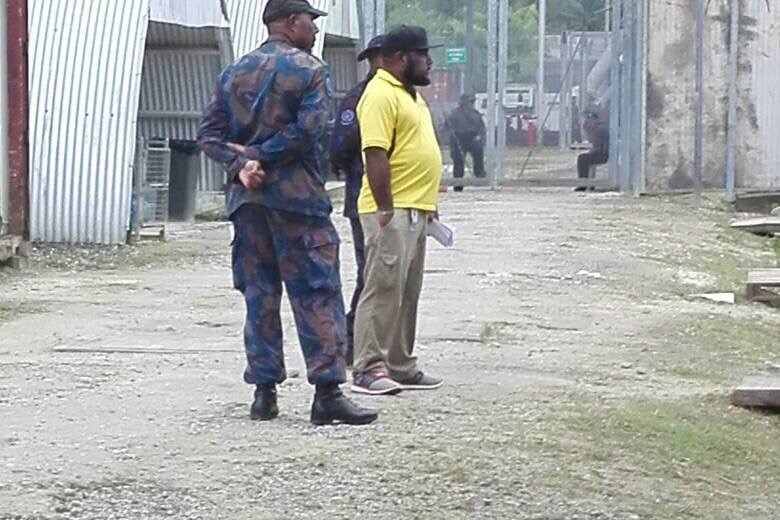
(276, 9)
(407, 38)
(375, 45)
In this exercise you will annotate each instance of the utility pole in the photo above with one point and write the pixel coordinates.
(371, 17)
(470, 61)
(731, 132)
(380, 12)
(5, 178)
(492, 42)
(698, 182)
(541, 108)
(503, 63)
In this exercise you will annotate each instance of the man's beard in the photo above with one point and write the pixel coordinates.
(413, 79)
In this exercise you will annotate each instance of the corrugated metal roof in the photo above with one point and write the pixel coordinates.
(170, 35)
(343, 19)
(84, 90)
(188, 13)
(248, 31)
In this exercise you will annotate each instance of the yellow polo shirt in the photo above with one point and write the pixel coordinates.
(392, 119)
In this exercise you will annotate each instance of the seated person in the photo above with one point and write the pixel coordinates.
(597, 133)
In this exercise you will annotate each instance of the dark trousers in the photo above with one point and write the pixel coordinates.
(272, 247)
(459, 147)
(358, 239)
(586, 160)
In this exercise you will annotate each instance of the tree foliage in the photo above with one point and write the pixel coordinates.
(446, 21)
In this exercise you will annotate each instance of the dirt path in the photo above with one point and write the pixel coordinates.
(582, 380)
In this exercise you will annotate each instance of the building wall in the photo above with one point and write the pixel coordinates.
(670, 95)
(86, 60)
(84, 87)
(758, 163)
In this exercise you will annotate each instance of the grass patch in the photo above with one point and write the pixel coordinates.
(694, 458)
(728, 255)
(10, 311)
(151, 253)
(101, 258)
(718, 348)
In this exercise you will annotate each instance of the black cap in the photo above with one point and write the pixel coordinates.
(276, 9)
(407, 38)
(374, 45)
(468, 97)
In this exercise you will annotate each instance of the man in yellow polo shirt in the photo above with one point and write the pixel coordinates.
(399, 195)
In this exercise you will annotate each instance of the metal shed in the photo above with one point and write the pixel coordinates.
(104, 72)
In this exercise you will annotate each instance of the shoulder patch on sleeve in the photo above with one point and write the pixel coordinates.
(347, 117)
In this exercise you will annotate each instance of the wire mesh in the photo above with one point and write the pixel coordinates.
(577, 62)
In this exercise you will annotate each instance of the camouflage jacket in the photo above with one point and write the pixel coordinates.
(273, 101)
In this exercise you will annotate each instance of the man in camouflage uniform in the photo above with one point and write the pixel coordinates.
(347, 158)
(267, 114)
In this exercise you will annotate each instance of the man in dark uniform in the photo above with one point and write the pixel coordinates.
(467, 135)
(347, 159)
(597, 134)
(263, 123)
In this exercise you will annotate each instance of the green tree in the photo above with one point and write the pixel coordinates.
(446, 23)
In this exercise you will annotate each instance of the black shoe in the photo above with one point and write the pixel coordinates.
(264, 407)
(581, 188)
(458, 188)
(331, 406)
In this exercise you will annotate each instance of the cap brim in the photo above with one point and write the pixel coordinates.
(365, 53)
(316, 13)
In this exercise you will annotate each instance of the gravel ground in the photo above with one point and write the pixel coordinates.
(121, 393)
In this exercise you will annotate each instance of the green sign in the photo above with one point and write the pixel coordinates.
(455, 56)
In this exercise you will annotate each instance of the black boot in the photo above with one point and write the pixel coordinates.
(264, 408)
(331, 406)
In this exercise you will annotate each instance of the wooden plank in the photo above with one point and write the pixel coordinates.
(758, 392)
(758, 202)
(765, 277)
(759, 226)
(154, 349)
(9, 246)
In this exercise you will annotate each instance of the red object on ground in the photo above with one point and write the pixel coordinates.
(531, 134)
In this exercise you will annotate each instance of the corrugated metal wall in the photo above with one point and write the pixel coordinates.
(343, 71)
(84, 88)
(169, 107)
(248, 31)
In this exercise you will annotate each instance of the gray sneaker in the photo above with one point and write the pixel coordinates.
(374, 382)
(421, 382)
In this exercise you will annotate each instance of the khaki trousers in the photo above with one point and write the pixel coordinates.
(386, 320)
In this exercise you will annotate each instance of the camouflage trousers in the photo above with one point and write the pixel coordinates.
(272, 247)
